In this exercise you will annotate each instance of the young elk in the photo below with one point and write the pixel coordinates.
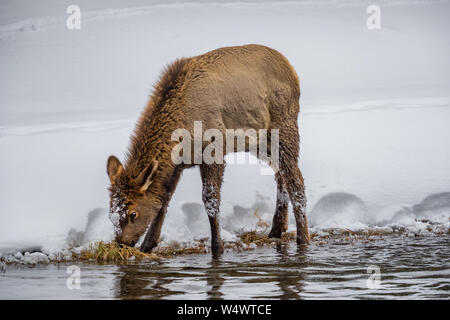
(249, 86)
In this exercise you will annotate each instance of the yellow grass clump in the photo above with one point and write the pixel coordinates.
(258, 238)
(114, 252)
(168, 252)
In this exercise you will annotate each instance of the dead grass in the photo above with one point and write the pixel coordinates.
(102, 252)
(171, 251)
(260, 223)
(114, 252)
(258, 238)
(261, 238)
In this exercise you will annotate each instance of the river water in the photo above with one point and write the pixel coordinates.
(390, 268)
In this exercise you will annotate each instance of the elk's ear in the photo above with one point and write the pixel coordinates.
(114, 168)
(145, 178)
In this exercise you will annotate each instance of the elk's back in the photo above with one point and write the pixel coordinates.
(240, 87)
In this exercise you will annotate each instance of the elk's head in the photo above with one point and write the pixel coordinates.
(132, 204)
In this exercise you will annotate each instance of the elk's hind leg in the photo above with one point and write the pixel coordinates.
(280, 219)
(292, 177)
(212, 177)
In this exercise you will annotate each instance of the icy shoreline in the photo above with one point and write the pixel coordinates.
(334, 219)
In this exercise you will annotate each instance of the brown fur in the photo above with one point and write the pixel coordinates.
(244, 87)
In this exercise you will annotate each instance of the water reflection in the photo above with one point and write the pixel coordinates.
(281, 273)
(410, 268)
(214, 280)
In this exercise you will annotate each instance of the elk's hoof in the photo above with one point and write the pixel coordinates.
(217, 250)
(275, 233)
(303, 238)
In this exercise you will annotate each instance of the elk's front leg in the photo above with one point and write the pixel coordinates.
(152, 237)
(212, 176)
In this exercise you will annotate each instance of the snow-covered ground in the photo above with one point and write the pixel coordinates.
(375, 110)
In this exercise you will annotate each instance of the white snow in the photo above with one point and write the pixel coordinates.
(374, 121)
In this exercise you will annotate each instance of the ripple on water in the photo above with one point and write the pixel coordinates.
(414, 268)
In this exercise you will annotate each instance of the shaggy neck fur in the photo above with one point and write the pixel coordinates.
(162, 115)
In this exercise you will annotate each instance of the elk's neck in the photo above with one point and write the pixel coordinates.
(152, 139)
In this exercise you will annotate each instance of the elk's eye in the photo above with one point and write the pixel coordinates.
(133, 216)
